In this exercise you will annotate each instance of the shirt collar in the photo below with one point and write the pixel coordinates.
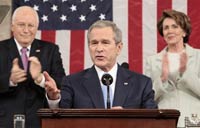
(19, 47)
(112, 72)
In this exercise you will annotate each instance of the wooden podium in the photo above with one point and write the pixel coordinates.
(108, 118)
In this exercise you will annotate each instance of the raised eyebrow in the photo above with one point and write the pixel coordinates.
(105, 40)
(176, 25)
(31, 24)
(20, 23)
(93, 41)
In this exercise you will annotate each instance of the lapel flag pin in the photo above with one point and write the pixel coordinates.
(125, 83)
(38, 50)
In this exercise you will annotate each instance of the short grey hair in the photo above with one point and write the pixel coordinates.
(24, 7)
(106, 23)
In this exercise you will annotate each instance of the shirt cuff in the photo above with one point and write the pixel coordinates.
(12, 84)
(53, 103)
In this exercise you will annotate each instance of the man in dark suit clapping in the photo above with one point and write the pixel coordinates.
(22, 62)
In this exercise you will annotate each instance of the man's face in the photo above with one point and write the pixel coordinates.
(103, 48)
(24, 27)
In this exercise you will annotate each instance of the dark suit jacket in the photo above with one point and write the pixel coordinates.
(83, 90)
(27, 97)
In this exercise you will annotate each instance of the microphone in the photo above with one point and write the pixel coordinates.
(125, 65)
(107, 81)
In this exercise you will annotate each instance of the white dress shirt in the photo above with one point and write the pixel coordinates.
(19, 47)
(113, 73)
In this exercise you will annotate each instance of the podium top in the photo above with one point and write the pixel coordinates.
(116, 113)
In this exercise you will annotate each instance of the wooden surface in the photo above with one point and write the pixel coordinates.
(101, 118)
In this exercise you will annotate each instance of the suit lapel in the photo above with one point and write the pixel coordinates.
(122, 87)
(35, 49)
(13, 52)
(93, 88)
(158, 60)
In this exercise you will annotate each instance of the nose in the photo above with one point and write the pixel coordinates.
(99, 47)
(171, 29)
(26, 29)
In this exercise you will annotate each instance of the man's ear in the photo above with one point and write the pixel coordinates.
(119, 46)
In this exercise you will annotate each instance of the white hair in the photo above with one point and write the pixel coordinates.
(22, 8)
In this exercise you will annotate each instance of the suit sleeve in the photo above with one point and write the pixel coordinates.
(191, 77)
(5, 68)
(4, 82)
(56, 69)
(158, 86)
(148, 96)
(66, 94)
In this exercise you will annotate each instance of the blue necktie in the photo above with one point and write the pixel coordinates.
(104, 90)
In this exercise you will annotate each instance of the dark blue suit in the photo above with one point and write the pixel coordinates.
(27, 97)
(83, 90)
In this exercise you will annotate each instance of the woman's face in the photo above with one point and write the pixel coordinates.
(172, 32)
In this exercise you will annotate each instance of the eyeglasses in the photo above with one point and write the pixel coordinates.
(23, 26)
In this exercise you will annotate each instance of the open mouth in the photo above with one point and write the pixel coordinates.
(99, 57)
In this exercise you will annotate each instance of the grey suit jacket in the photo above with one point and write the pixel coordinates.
(83, 90)
(184, 93)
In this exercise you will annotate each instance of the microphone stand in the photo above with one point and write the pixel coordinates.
(107, 81)
(108, 97)
(108, 94)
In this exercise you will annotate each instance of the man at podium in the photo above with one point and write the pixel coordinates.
(105, 84)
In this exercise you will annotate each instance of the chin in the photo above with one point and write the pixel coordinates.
(171, 43)
(99, 64)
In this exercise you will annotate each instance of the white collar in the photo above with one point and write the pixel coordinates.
(19, 47)
(112, 72)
